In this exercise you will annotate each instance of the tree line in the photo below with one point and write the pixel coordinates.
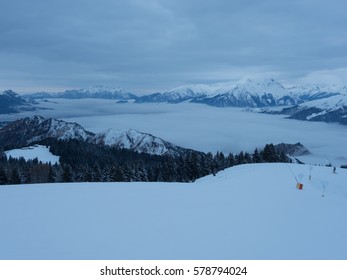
(86, 162)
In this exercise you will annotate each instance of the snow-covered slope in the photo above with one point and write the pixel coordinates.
(136, 141)
(245, 212)
(42, 153)
(262, 87)
(311, 92)
(331, 109)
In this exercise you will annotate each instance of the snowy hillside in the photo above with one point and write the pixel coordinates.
(331, 109)
(266, 86)
(42, 153)
(245, 212)
(316, 91)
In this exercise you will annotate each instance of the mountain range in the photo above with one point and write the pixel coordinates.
(307, 102)
(332, 109)
(11, 102)
(245, 93)
(91, 92)
(312, 102)
(26, 131)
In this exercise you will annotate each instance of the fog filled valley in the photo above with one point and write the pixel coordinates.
(200, 127)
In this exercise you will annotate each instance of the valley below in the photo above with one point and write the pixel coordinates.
(201, 127)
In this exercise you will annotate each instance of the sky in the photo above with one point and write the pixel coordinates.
(151, 45)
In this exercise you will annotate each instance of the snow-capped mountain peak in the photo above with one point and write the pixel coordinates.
(242, 93)
(24, 131)
(250, 93)
(136, 141)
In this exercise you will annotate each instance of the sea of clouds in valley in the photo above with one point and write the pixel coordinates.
(202, 127)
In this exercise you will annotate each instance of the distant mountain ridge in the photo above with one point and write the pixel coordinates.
(332, 109)
(25, 131)
(11, 102)
(312, 102)
(250, 93)
(136, 141)
(91, 92)
(244, 93)
(29, 130)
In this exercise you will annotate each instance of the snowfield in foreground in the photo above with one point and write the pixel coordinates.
(245, 212)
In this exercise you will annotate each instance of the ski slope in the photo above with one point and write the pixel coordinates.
(249, 211)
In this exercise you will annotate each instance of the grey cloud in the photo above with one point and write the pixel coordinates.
(148, 44)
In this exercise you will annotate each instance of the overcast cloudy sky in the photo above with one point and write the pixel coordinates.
(149, 45)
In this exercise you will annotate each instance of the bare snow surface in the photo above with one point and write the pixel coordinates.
(245, 212)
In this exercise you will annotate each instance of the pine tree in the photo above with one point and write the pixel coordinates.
(168, 172)
(117, 174)
(106, 174)
(141, 173)
(181, 170)
(256, 156)
(158, 175)
(241, 158)
(67, 174)
(26, 175)
(96, 174)
(15, 179)
(248, 158)
(51, 175)
(193, 166)
(283, 157)
(87, 175)
(127, 173)
(208, 164)
(269, 153)
(3, 176)
(231, 160)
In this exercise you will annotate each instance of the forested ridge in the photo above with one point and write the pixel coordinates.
(81, 161)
